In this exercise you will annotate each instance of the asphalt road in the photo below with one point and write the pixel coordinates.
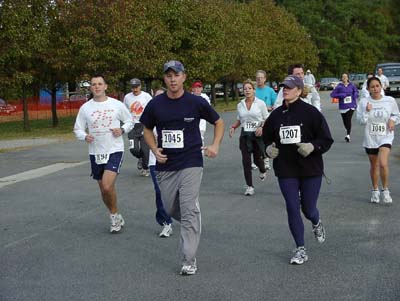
(55, 245)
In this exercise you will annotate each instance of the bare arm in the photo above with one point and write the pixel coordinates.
(212, 150)
(152, 143)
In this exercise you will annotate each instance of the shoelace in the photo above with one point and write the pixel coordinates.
(298, 253)
(318, 230)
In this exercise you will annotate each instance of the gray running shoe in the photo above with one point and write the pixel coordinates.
(139, 164)
(263, 176)
(319, 232)
(189, 269)
(300, 256)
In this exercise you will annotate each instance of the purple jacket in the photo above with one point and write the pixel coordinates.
(342, 92)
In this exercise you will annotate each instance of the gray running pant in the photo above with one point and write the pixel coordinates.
(180, 194)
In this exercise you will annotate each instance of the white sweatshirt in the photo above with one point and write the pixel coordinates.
(97, 119)
(136, 104)
(376, 132)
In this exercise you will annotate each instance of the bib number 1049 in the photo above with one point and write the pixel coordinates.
(290, 134)
(377, 128)
(172, 138)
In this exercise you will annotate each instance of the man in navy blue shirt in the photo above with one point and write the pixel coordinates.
(178, 150)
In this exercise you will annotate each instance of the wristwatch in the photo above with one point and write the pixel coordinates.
(123, 130)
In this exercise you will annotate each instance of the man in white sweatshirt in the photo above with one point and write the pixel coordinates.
(98, 123)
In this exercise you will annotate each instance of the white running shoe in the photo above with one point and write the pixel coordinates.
(117, 222)
(249, 190)
(263, 176)
(319, 232)
(166, 230)
(347, 138)
(375, 196)
(189, 269)
(300, 256)
(266, 163)
(386, 198)
(145, 172)
(253, 166)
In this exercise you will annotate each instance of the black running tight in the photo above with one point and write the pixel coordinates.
(347, 120)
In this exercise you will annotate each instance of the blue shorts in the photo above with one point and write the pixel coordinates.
(114, 164)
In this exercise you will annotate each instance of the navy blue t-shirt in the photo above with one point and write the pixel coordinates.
(177, 120)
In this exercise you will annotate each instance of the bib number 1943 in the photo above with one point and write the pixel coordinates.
(101, 158)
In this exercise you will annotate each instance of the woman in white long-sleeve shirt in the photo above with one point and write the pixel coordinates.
(380, 114)
(252, 113)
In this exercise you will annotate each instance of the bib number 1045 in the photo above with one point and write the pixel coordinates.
(172, 139)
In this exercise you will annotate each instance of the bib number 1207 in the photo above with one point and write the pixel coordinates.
(290, 134)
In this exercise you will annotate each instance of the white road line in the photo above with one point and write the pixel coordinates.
(36, 173)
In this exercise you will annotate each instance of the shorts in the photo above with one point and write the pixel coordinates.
(375, 151)
(114, 164)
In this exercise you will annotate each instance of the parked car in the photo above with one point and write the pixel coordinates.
(5, 108)
(392, 72)
(358, 79)
(328, 83)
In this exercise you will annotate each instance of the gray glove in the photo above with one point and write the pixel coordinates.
(305, 149)
(272, 151)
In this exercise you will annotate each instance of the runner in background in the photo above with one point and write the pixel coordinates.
(380, 114)
(364, 89)
(251, 115)
(197, 89)
(98, 123)
(384, 80)
(162, 218)
(136, 101)
(309, 95)
(347, 93)
(268, 95)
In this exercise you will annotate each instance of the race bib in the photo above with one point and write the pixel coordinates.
(290, 134)
(377, 128)
(101, 158)
(131, 143)
(347, 99)
(172, 138)
(250, 126)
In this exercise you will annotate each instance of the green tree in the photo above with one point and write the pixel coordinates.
(22, 34)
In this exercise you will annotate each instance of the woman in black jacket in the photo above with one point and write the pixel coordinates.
(296, 135)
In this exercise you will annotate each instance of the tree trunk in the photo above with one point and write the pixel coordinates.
(235, 94)
(54, 116)
(226, 96)
(25, 107)
(213, 95)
